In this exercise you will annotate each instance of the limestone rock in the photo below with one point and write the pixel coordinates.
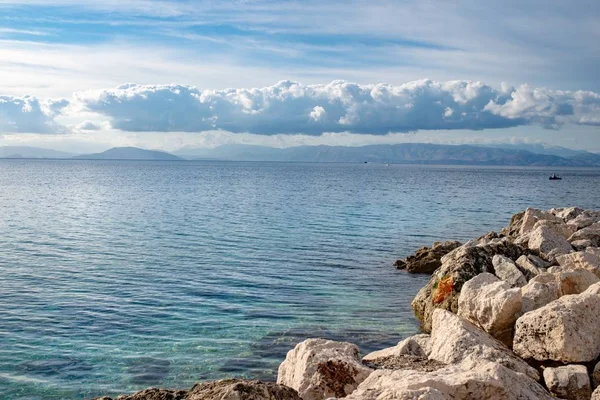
(559, 227)
(490, 381)
(581, 221)
(227, 389)
(567, 213)
(564, 330)
(528, 268)
(319, 368)
(588, 259)
(581, 244)
(575, 281)
(544, 239)
(596, 394)
(538, 293)
(533, 216)
(590, 233)
(458, 267)
(506, 270)
(456, 341)
(426, 260)
(492, 305)
(570, 382)
(417, 345)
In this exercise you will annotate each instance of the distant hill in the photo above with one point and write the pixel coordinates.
(540, 148)
(31, 152)
(129, 153)
(405, 153)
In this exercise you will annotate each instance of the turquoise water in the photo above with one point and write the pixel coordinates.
(116, 276)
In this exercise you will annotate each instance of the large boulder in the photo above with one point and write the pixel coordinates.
(227, 389)
(492, 305)
(456, 341)
(570, 382)
(489, 381)
(588, 259)
(539, 291)
(427, 259)
(545, 240)
(565, 230)
(567, 213)
(532, 216)
(319, 368)
(458, 267)
(417, 345)
(591, 233)
(506, 269)
(565, 330)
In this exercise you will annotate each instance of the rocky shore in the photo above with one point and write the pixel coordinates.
(510, 315)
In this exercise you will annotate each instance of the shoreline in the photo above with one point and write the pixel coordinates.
(508, 315)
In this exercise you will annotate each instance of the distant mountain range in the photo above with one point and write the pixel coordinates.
(31, 152)
(405, 153)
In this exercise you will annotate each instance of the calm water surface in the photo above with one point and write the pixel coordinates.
(116, 276)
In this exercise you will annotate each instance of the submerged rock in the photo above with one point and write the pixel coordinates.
(564, 330)
(458, 267)
(319, 368)
(570, 382)
(427, 259)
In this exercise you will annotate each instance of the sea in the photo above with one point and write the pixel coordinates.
(120, 275)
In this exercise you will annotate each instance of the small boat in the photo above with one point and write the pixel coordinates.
(555, 177)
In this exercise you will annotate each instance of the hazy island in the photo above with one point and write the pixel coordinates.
(405, 153)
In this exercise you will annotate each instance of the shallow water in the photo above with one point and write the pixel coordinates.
(116, 276)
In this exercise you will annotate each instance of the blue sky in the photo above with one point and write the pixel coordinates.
(62, 60)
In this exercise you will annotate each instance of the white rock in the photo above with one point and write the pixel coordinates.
(528, 268)
(581, 221)
(456, 341)
(489, 381)
(319, 368)
(559, 227)
(540, 291)
(596, 394)
(532, 216)
(581, 244)
(490, 304)
(506, 270)
(544, 240)
(591, 233)
(570, 382)
(417, 345)
(588, 259)
(564, 330)
(575, 281)
(568, 213)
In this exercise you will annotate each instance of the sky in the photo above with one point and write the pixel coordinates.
(171, 74)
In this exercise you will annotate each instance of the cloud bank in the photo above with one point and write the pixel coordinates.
(291, 108)
(30, 115)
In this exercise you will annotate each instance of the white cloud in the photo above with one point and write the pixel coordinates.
(291, 108)
(30, 115)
